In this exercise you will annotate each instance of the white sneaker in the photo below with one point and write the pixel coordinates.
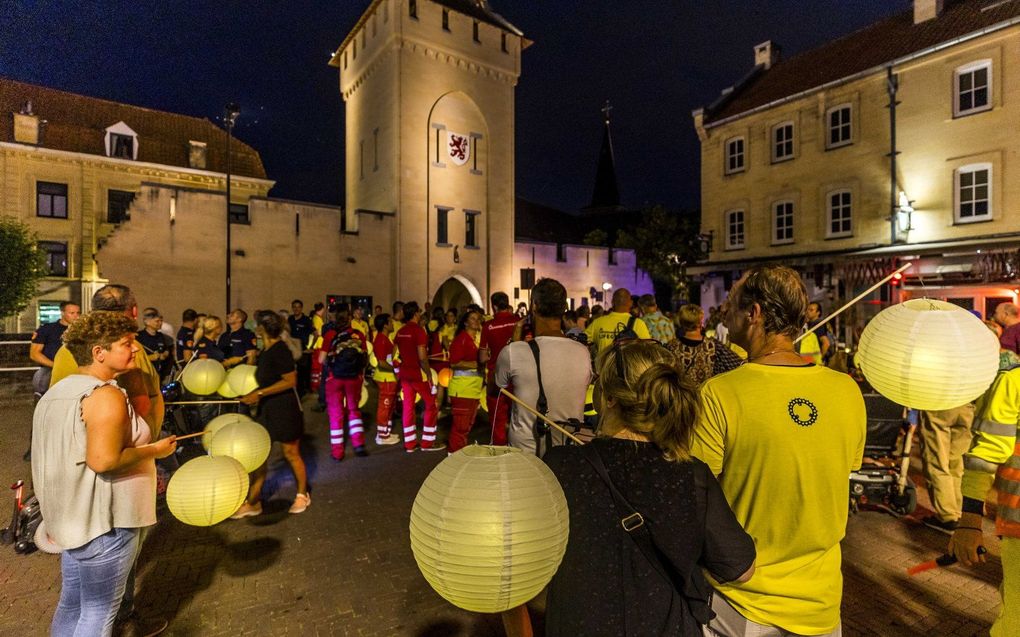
(247, 510)
(301, 502)
(391, 439)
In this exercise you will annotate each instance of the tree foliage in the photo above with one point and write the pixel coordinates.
(597, 237)
(665, 243)
(22, 265)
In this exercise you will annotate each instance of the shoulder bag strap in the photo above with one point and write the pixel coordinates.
(541, 430)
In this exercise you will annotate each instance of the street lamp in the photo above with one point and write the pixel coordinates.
(230, 113)
(904, 213)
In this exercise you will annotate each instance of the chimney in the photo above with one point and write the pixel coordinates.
(26, 125)
(925, 10)
(766, 54)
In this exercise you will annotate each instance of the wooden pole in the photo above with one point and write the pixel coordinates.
(203, 402)
(858, 298)
(536, 413)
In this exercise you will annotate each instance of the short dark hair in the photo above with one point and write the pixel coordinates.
(549, 298)
(64, 304)
(570, 315)
(189, 315)
(397, 305)
(297, 302)
(500, 300)
(150, 313)
(380, 321)
(817, 305)
(270, 322)
(318, 306)
(780, 293)
(244, 315)
(113, 298)
(647, 300)
(410, 309)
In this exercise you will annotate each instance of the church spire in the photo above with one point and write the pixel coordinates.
(607, 192)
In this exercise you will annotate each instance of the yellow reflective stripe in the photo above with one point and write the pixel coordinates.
(994, 428)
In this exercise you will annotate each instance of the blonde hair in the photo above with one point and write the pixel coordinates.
(208, 325)
(652, 397)
(688, 317)
(102, 328)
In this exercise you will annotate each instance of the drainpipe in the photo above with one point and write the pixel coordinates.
(892, 84)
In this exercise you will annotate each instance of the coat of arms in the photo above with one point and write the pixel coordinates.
(459, 148)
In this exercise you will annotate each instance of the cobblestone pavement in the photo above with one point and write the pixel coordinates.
(345, 567)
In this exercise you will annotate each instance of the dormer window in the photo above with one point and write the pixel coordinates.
(121, 141)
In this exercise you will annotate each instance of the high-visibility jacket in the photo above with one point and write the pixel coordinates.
(994, 455)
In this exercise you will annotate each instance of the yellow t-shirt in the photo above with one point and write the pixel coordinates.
(317, 323)
(396, 328)
(143, 380)
(604, 329)
(360, 325)
(446, 334)
(783, 441)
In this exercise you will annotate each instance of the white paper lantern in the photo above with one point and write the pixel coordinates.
(245, 441)
(207, 490)
(489, 528)
(928, 354)
(242, 379)
(217, 423)
(203, 377)
(226, 390)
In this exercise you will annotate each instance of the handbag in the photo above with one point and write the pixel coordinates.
(691, 586)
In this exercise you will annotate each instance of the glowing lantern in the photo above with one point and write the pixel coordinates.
(364, 396)
(217, 423)
(928, 354)
(203, 377)
(226, 390)
(207, 490)
(445, 375)
(245, 441)
(489, 528)
(242, 379)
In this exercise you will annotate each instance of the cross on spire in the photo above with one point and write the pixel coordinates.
(605, 110)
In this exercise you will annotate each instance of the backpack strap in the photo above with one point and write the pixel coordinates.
(630, 322)
(541, 430)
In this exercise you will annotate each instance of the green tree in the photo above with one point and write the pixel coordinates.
(665, 243)
(22, 265)
(597, 237)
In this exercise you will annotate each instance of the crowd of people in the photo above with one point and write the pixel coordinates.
(718, 456)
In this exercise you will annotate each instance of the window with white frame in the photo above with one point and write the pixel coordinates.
(973, 193)
(839, 125)
(782, 142)
(782, 222)
(973, 88)
(840, 214)
(734, 229)
(734, 155)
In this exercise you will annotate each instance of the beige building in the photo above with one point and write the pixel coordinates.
(796, 160)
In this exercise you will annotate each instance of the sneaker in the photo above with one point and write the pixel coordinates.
(391, 439)
(360, 451)
(934, 522)
(301, 502)
(436, 447)
(247, 510)
(134, 625)
(410, 449)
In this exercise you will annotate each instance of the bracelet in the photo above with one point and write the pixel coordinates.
(970, 528)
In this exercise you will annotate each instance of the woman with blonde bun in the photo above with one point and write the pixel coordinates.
(645, 517)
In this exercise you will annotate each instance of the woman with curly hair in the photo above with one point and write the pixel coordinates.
(93, 467)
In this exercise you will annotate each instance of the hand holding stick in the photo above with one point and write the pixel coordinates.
(536, 413)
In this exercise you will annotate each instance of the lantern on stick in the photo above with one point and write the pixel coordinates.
(226, 390)
(242, 379)
(913, 353)
(203, 377)
(207, 490)
(247, 442)
(482, 553)
(364, 396)
(217, 423)
(445, 375)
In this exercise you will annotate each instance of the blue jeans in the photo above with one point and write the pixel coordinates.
(93, 580)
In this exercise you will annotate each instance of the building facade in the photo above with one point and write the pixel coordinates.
(796, 161)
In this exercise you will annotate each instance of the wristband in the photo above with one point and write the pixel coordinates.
(973, 505)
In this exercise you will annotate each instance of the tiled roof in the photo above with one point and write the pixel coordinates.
(873, 46)
(537, 222)
(78, 123)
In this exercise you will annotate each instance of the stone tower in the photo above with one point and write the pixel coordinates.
(429, 92)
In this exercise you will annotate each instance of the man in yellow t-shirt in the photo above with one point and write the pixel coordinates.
(782, 434)
(140, 383)
(603, 330)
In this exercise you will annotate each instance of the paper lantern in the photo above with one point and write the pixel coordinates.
(226, 390)
(489, 528)
(245, 441)
(207, 490)
(242, 379)
(364, 396)
(445, 375)
(218, 423)
(203, 377)
(928, 354)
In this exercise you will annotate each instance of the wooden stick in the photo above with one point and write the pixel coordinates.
(203, 402)
(194, 355)
(201, 433)
(859, 297)
(547, 421)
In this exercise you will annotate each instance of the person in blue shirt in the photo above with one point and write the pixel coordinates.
(238, 344)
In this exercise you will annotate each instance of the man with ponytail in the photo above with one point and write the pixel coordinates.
(782, 434)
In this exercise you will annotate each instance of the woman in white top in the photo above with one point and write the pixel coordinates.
(94, 473)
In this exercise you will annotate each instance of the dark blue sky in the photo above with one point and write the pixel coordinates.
(655, 60)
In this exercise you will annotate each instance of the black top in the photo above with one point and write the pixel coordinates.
(48, 336)
(157, 344)
(206, 347)
(280, 413)
(185, 339)
(237, 343)
(301, 329)
(604, 571)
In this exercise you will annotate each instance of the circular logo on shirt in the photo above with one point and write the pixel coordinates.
(802, 412)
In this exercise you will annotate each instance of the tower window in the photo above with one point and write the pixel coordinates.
(471, 228)
(412, 8)
(561, 253)
(502, 43)
(442, 226)
(475, 31)
(361, 158)
(239, 214)
(446, 20)
(375, 150)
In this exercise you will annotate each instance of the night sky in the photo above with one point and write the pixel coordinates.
(655, 60)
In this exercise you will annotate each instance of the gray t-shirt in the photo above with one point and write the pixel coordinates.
(566, 373)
